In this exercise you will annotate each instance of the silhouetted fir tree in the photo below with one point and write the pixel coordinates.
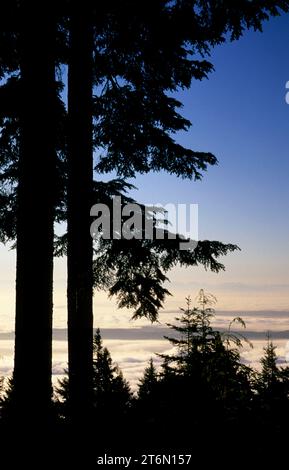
(140, 54)
(35, 209)
(270, 371)
(196, 336)
(269, 380)
(204, 373)
(79, 201)
(27, 196)
(230, 385)
(122, 395)
(111, 392)
(148, 382)
(145, 411)
(271, 399)
(82, 52)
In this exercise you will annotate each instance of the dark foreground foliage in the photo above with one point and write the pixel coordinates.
(202, 401)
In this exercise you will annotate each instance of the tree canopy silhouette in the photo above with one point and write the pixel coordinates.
(124, 62)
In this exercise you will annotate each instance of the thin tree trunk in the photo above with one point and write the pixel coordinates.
(79, 290)
(34, 269)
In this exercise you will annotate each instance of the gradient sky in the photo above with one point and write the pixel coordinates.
(241, 116)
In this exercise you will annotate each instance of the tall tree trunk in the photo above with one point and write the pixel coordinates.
(34, 269)
(79, 290)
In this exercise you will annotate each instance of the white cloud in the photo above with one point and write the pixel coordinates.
(132, 346)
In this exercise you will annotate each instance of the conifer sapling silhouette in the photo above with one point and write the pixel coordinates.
(148, 383)
(270, 371)
(111, 391)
